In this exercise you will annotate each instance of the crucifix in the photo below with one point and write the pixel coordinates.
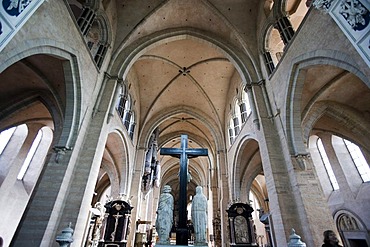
(183, 154)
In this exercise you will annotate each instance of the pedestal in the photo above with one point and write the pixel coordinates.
(182, 236)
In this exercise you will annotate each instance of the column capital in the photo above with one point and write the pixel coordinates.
(258, 83)
(302, 160)
(60, 150)
(247, 87)
(108, 77)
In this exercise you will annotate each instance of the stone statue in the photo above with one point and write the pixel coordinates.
(164, 220)
(199, 217)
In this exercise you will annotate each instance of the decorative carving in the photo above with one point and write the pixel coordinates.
(15, 7)
(241, 225)
(184, 71)
(116, 224)
(323, 5)
(355, 14)
(302, 160)
(348, 223)
(60, 150)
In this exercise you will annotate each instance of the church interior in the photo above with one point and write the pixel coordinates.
(92, 93)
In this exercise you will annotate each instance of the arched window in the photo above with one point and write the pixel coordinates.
(231, 131)
(121, 102)
(327, 165)
(5, 138)
(358, 159)
(237, 118)
(131, 129)
(275, 45)
(245, 107)
(97, 39)
(30, 154)
(273, 49)
(128, 113)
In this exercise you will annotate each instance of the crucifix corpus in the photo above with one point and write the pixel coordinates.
(184, 153)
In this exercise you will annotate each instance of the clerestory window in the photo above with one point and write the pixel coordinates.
(328, 168)
(358, 159)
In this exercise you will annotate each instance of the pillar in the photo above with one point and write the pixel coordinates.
(79, 191)
(292, 184)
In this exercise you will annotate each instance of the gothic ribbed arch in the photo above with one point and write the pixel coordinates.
(247, 182)
(28, 99)
(111, 171)
(72, 111)
(260, 196)
(124, 170)
(164, 139)
(101, 186)
(178, 133)
(296, 143)
(239, 147)
(343, 115)
(125, 57)
(164, 114)
(170, 172)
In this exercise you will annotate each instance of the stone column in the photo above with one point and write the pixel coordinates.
(81, 188)
(292, 184)
(46, 191)
(281, 196)
(223, 194)
(135, 191)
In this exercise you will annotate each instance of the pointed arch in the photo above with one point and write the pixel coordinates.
(296, 141)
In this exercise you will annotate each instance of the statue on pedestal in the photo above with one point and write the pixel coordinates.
(199, 217)
(164, 220)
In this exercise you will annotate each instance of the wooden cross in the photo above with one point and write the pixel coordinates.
(183, 154)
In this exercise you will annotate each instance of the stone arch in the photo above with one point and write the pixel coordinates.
(296, 142)
(237, 170)
(149, 127)
(344, 115)
(247, 185)
(125, 58)
(121, 159)
(351, 228)
(58, 108)
(67, 123)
